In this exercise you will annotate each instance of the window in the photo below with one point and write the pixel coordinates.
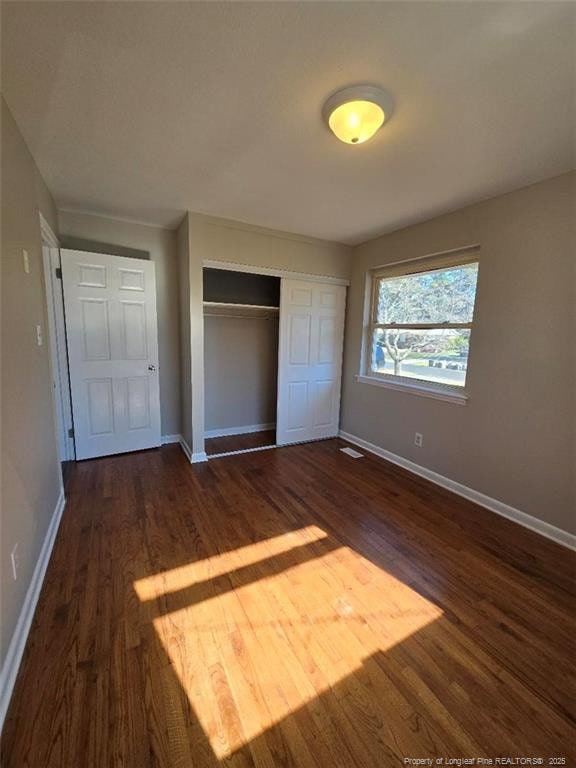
(421, 320)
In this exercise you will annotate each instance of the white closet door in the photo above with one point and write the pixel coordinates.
(310, 360)
(112, 336)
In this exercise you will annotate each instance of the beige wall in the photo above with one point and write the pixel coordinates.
(121, 238)
(240, 371)
(228, 241)
(31, 479)
(514, 440)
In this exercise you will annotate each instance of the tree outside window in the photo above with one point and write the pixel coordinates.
(422, 322)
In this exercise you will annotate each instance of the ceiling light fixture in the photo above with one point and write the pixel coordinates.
(355, 114)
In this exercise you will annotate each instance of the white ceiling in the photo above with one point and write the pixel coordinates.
(145, 110)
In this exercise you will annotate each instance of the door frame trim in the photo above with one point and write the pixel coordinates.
(58, 363)
(48, 235)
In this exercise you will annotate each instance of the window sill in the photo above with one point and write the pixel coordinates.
(415, 389)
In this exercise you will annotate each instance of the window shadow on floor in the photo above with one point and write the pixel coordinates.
(162, 638)
(420, 698)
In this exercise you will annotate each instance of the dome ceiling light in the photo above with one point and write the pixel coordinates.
(355, 114)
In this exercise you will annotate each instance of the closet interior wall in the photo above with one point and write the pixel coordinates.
(240, 352)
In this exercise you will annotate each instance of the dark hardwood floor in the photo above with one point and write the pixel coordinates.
(293, 607)
(250, 440)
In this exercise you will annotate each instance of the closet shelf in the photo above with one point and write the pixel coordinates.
(224, 309)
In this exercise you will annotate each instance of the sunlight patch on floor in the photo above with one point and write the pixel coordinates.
(250, 657)
(189, 574)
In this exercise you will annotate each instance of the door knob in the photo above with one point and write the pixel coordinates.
(151, 367)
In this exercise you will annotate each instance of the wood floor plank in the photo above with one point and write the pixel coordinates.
(293, 607)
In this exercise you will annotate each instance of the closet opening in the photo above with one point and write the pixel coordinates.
(241, 313)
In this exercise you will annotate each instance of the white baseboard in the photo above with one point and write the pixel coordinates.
(185, 447)
(193, 458)
(243, 450)
(168, 439)
(20, 634)
(522, 518)
(229, 431)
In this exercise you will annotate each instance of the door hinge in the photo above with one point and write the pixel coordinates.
(71, 432)
(58, 271)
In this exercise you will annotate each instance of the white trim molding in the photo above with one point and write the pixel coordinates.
(229, 431)
(457, 398)
(504, 510)
(428, 256)
(57, 337)
(242, 450)
(48, 235)
(233, 266)
(185, 447)
(193, 458)
(20, 635)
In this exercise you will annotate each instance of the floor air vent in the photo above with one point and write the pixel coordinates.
(352, 452)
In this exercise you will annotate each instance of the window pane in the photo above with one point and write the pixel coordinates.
(445, 295)
(439, 355)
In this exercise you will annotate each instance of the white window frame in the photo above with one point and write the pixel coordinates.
(448, 392)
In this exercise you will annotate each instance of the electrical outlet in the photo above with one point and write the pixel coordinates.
(15, 560)
(26, 261)
(39, 339)
(418, 439)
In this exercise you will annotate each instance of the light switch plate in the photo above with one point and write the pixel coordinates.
(26, 261)
(39, 339)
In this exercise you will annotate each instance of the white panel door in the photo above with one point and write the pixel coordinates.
(111, 329)
(309, 360)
